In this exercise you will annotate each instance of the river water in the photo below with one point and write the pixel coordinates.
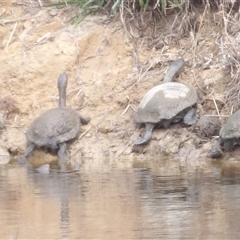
(112, 202)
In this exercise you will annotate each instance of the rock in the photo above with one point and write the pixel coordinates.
(43, 169)
(209, 104)
(207, 126)
(54, 12)
(8, 105)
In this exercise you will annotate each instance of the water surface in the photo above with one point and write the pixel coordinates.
(109, 202)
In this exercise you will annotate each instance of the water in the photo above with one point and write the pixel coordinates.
(110, 202)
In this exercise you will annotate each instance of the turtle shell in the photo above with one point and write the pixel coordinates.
(165, 101)
(231, 129)
(55, 126)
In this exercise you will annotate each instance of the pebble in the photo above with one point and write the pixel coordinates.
(43, 169)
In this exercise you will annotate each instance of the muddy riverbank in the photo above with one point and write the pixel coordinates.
(108, 75)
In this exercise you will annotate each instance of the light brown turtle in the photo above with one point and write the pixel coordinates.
(167, 103)
(55, 127)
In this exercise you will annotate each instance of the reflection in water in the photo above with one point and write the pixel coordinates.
(116, 203)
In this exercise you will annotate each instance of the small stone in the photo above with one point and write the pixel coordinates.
(88, 135)
(207, 126)
(76, 167)
(53, 12)
(27, 24)
(43, 169)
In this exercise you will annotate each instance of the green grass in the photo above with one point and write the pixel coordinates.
(112, 6)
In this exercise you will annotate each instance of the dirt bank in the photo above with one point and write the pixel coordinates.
(108, 76)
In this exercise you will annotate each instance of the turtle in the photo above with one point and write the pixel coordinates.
(55, 127)
(229, 136)
(167, 103)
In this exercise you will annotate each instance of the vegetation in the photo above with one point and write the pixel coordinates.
(113, 6)
(147, 19)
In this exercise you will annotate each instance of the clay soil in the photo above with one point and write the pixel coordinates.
(108, 74)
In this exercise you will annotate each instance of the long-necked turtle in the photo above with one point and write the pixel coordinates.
(167, 103)
(55, 127)
(229, 136)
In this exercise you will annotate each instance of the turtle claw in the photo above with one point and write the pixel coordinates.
(23, 159)
(147, 136)
(216, 151)
(141, 141)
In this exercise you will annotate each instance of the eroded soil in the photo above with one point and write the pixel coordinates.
(108, 75)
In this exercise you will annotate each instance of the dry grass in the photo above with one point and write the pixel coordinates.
(190, 20)
(161, 22)
(230, 51)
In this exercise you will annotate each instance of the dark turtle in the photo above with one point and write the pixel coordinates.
(55, 127)
(167, 103)
(229, 136)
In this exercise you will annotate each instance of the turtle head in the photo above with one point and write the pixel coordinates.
(62, 86)
(62, 81)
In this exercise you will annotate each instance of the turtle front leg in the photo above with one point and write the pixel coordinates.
(228, 145)
(147, 136)
(216, 151)
(29, 149)
(62, 154)
(191, 117)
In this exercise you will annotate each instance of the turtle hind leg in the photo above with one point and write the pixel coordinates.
(147, 136)
(191, 117)
(29, 149)
(62, 154)
(216, 151)
(228, 145)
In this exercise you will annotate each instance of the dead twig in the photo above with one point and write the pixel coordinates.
(47, 35)
(124, 149)
(126, 109)
(84, 133)
(215, 104)
(2, 22)
(11, 36)
(217, 115)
